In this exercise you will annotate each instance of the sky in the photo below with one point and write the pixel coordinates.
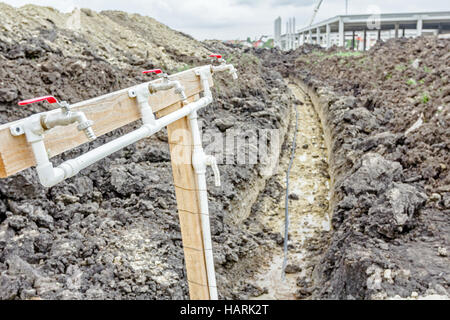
(238, 19)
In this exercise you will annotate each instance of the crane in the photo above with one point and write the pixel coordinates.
(315, 12)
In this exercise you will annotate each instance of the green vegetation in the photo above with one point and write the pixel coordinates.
(268, 44)
(348, 54)
(411, 82)
(320, 53)
(400, 68)
(230, 58)
(427, 70)
(248, 59)
(425, 98)
(184, 68)
(341, 54)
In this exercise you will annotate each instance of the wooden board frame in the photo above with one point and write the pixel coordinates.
(115, 110)
(109, 112)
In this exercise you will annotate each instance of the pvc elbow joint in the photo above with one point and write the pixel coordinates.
(229, 67)
(212, 162)
(200, 161)
(179, 89)
(233, 72)
(49, 176)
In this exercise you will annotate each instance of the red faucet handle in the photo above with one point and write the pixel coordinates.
(49, 99)
(156, 71)
(218, 56)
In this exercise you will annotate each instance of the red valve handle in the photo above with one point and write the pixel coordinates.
(218, 56)
(49, 99)
(157, 71)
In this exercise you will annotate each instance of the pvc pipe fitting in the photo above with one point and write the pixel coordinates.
(167, 84)
(200, 161)
(225, 67)
(49, 176)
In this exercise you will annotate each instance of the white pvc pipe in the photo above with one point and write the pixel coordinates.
(50, 176)
(225, 67)
(199, 161)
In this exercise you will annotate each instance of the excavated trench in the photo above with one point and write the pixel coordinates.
(309, 188)
(112, 232)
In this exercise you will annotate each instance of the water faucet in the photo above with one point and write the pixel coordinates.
(166, 84)
(66, 117)
(223, 66)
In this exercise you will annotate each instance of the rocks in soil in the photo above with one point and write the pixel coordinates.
(8, 94)
(294, 196)
(292, 268)
(387, 214)
(394, 211)
(112, 232)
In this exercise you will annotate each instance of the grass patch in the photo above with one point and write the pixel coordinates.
(341, 54)
(427, 70)
(184, 68)
(348, 54)
(425, 98)
(411, 82)
(400, 67)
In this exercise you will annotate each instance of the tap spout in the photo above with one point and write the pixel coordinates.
(168, 84)
(64, 118)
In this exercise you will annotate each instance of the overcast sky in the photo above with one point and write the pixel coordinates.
(238, 19)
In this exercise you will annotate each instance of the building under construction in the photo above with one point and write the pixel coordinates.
(362, 31)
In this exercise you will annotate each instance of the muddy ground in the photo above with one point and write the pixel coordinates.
(308, 201)
(112, 232)
(386, 115)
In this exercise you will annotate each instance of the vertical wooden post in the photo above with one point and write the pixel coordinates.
(180, 142)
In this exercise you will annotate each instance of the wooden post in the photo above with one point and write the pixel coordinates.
(186, 191)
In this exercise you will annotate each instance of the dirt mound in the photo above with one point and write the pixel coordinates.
(387, 116)
(112, 231)
(120, 38)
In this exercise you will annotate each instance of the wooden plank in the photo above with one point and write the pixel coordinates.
(109, 112)
(180, 141)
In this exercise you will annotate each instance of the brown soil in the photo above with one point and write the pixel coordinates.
(112, 232)
(308, 208)
(390, 194)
